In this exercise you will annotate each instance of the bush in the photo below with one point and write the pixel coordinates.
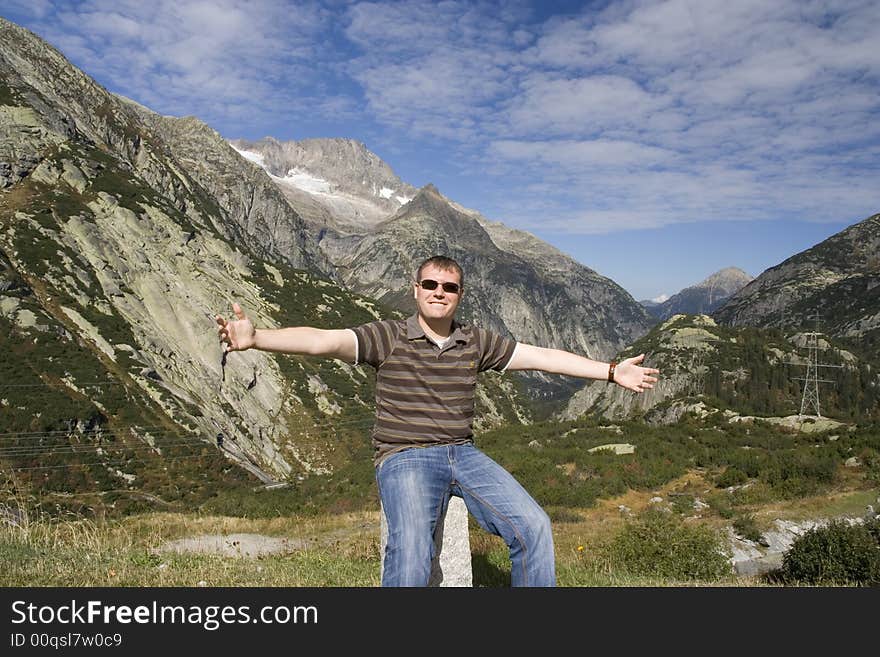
(659, 544)
(732, 476)
(836, 554)
(747, 527)
(683, 504)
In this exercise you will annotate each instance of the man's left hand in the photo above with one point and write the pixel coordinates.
(632, 376)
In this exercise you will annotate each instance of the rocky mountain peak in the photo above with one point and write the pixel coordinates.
(704, 297)
(335, 183)
(429, 199)
(346, 165)
(729, 279)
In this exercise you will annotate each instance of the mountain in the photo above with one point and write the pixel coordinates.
(653, 303)
(702, 298)
(837, 280)
(516, 284)
(122, 234)
(739, 358)
(708, 367)
(332, 182)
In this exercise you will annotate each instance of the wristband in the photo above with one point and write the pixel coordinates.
(611, 369)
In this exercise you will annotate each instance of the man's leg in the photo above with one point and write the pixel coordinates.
(503, 507)
(414, 490)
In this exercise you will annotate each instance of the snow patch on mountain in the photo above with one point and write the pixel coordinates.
(389, 194)
(305, 181)
(256, 158)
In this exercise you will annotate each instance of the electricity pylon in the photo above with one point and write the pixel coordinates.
(811, 381)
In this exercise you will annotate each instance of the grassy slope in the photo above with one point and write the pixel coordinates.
(792, 477)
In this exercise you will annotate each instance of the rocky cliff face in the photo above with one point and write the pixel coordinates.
(681, 348)
(253, 208)
(838, 279)
(124, 250)
(703, 298)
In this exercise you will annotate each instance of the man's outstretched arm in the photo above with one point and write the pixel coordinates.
(240, 334)
(628, 373)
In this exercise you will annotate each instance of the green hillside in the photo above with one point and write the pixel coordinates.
(754, 371)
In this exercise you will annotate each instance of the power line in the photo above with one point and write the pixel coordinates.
(77, 465)
(81, 449)
(61, 385)
(72, 448)
(87, 432)
(187, 440)
(112, 440)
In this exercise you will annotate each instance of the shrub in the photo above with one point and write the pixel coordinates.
(747, 527)
(732, 476)
(838, 553)
(659, 544)
(873, 527)
(682, 504)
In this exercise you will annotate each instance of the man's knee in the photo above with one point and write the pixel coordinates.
(537, 530)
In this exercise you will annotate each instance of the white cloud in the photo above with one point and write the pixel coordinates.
(34, 8)
(601, 154)
(217, 60)
(697, 111)
(582, 105)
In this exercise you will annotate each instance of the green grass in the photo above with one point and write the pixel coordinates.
(343, 548)
(125, 553)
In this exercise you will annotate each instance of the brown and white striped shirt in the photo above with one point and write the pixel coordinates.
(425, 393)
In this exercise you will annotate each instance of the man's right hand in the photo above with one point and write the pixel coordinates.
(238, 334)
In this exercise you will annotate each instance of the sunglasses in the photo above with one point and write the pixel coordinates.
(450, 288)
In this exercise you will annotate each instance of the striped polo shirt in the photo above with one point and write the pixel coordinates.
(425, 393)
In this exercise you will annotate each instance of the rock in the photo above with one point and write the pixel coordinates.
(234, 545)
(452, 564)
(617, 448)
(750, 558)
(852, 462)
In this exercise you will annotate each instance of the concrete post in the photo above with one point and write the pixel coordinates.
(452, 560)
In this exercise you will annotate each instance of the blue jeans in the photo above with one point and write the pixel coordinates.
(415, 486)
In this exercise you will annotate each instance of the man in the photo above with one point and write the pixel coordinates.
(426, 379)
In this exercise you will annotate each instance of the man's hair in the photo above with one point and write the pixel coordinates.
(441, 262)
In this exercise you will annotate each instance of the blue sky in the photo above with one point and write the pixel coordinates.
(654, 141)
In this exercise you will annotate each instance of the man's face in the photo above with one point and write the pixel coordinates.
(437, 303)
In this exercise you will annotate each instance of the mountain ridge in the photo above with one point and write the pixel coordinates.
(702, 298)
(836, 279)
